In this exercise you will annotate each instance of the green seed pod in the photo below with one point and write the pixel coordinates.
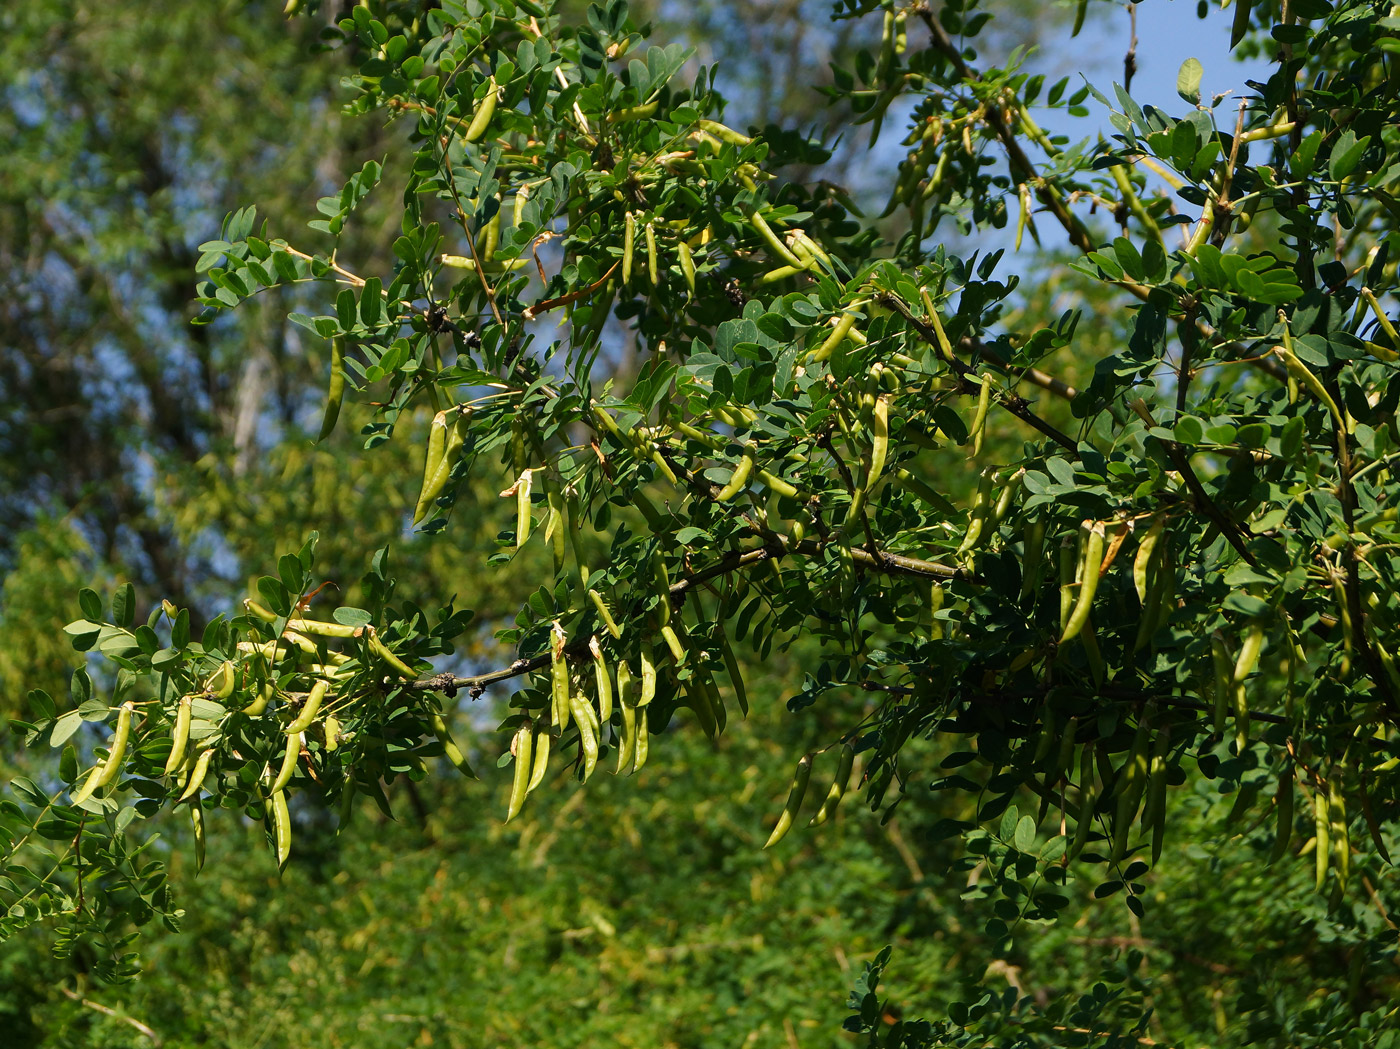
(1032, 558)
(335, 391)
(1132, 781)
(1067, 563)
(1283, 810)
(1088, 798)
(1220, 663)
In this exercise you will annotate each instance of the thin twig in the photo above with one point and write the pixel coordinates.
(109, 1011)
(1045, 190)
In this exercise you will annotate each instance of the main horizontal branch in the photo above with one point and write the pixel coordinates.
(880, 561)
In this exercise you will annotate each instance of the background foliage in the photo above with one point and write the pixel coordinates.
(142, 448)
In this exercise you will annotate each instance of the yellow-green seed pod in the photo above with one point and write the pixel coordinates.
(653, 268)
(1341, 838)
(844, 323)
(1067, 563)
(1245, 663)
(794, 801)
(380, 649)
(981, 503)
(321, 628)
(290, 753)
(1133, 780)
(555, 528)
(1143, 562)
(838, 786)
(106, 773)
(225, 678)
(1283, 810)
(777, 485)
(673, 642)
(1088, 580)
(738, 480)
(687, 265)
(179, 736)
(435, 466)
(197, 774)
(1322, 831)
(541, 759)
(1223, 686)
(522, 507)
(558, 680)
(663, 587)
(604, 614)
(197, 819)
(450, 750)
(1064, 755)
(779, 248)
(642, 745)
(522, 748)
(282, 827)
(629, 238)
(879, 441)
(979, 417)
(604, 679)
(310, 710)
(335, 390)
(485, 110)
(491, 234)
(1154, 810)
(731, 666)
(588, 739)
(648, 677)
(628, 738)
(1088, 797)
(1032, 558)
